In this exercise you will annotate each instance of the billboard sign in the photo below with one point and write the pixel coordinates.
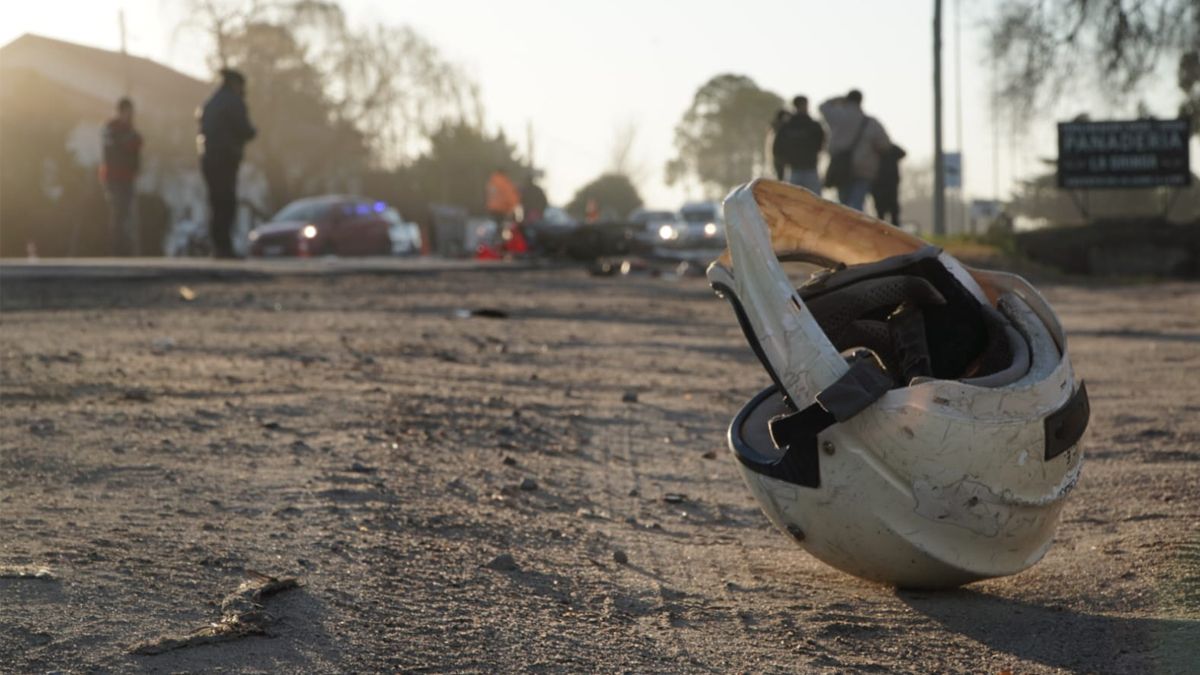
(1114, 155)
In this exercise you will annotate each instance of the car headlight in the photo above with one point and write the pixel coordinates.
(667, 232)
(309, 231)
(710, 230)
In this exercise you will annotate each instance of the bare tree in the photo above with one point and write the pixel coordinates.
(1041, 46)
(388, 82)
(621, 159)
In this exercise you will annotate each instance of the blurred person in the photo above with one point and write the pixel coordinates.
(118, 171)
(885, 190)
(503, 199)
(856, 145)
(533, 200)
(798, 143)
(224, 131)
(777, 122)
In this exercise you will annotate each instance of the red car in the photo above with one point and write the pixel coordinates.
(330, 225)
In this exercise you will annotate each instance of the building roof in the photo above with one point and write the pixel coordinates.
(107, 75)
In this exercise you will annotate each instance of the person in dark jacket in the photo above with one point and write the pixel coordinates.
(797, 144)
(777, 123)
(224, 131)
(885, 190)
(533, 200)
(122, 159)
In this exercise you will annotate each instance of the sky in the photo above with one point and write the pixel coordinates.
(575, 73)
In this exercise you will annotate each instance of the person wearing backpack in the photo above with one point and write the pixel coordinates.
(797, 144)
(857, 143)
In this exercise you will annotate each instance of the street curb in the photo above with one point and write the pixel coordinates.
(191, 269)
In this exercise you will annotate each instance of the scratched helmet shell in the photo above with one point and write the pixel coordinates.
(923, 422)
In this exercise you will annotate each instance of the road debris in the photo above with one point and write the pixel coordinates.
(528, 485)
(242, 614)
(138, 394)
(480, 312)
(502, 563)
(674, 498)
(27, 572)
(629, 397)
(620, 557)
(186, 294)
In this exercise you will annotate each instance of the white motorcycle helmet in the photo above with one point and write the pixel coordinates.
(923, 424)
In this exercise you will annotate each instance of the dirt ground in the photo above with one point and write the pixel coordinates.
(359, 434)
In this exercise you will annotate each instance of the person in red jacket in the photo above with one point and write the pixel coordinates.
(503, 198)
(118, 171)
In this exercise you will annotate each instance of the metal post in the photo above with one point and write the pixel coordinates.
(939, 174)
(124, 53)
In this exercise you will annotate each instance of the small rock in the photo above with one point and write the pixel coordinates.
(186, 294)
(620, 557)
(162, 345)
(359, 467)
(270, 424)
(633, 492)
(528, 485)
(508, 461)
(711, 454)
(42, 427)
(591, 514)
(502, 563)
(138, 394)
(674, 498)
(630, 397)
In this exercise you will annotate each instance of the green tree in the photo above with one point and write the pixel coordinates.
(720, 142)
(1040, 46)
(454, 170)
(614, 193)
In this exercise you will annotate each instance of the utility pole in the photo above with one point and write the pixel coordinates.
(529, 146)
(939, 174)
(124, 53)
(961, 192)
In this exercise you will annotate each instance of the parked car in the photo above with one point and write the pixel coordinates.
(703, 226)
(334, 225)
(654, 228)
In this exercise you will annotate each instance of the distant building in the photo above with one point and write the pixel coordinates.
(51, 88)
